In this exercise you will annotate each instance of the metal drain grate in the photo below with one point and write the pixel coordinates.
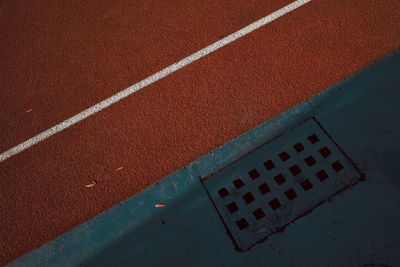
(279, 182)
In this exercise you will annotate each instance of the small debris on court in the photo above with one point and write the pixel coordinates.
(93, 183)
(120, 168)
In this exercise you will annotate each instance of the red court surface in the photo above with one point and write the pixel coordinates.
(64, 57)
(59, 60)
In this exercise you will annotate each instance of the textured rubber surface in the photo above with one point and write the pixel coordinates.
(60, 58)
(171, 123)
(107, 102)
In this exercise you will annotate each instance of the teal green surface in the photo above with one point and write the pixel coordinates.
(279, 178)
(358, 227)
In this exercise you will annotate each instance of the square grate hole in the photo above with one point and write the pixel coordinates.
(280, 179)
(254, 174)
(264, 188)
(295, 170)
(290, 194)
(275, 204)
(238, 183)
(242, 224)
(298, 147)
(313, 138)
(223, 192)
(337, 166)
(278, 183)
(232, 207)
(325, 152)
(310, 161)
(258, 214)
(284, 156)
(248, 198)
(322, 175)
(269, 165)
(306, 184)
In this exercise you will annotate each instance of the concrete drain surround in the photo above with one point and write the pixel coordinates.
(279, 182)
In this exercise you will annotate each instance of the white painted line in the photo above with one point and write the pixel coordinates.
(151, 79)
